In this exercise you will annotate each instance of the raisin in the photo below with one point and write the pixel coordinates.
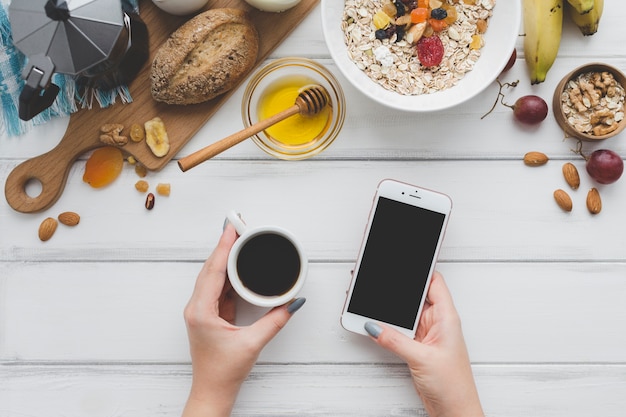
(400, 8)
(381, 34)
(439, 13)
(400, 31)
(142, 186)
(430, 51)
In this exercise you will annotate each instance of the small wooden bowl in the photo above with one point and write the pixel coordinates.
(560, 116)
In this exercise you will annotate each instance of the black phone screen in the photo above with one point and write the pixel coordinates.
(396, 261)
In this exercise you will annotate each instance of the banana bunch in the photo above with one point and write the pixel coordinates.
(543, 23)
(587, 19)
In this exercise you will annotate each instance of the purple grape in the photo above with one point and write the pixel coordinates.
(605, 166)
(530, 109)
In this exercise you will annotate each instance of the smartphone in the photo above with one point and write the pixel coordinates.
(397, 258)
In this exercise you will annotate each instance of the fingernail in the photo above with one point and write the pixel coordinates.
(295, 305)
(373, 329)
(225, 223)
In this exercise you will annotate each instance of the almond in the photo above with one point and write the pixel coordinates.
(69, 218)
(594, 202)
(535, 159)
(571, 175)
(47, 228)
(563, 200)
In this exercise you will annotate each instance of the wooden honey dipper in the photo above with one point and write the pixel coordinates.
(309, 102)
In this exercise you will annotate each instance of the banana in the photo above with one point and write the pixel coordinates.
(581, 6)
(156, 137)
(543, 22)
(588, 22)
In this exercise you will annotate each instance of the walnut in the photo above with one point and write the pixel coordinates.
(111, 134)
(600, 130)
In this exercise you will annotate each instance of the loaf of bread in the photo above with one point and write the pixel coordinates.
(205, 57)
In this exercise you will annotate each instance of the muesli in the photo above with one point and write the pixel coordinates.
(393, 61)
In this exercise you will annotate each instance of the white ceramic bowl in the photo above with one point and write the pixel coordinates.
(500, 39)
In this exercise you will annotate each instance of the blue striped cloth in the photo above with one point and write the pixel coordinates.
(12, 62)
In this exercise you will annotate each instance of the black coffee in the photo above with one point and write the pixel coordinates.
(268, 264)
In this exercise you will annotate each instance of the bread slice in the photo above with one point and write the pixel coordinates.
(205, 57)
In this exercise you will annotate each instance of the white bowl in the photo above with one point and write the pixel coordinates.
(500, 39)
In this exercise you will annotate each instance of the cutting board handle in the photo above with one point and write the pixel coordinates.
(50, 170)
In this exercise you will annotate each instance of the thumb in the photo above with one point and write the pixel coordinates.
(268, 326)
(404, 347)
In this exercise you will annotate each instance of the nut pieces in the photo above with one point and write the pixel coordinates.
(535, 159)
(570, 173)
(593, 103)
(594, 202)
(47, 228)
(111, 134)
(563, 200)
(69, 218)
(150, 201)
(49, 225)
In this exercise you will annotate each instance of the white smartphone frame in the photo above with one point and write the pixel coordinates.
(414, 196)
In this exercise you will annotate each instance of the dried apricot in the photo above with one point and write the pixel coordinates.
(103, 166)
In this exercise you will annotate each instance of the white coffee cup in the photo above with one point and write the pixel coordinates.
(266, 266)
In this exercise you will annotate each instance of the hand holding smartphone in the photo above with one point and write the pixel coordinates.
(397, 258)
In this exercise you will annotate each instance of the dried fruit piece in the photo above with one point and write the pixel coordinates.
(594, 202)
(103, 166)
(150, 201)
(156, 137)
(437, 25)
(136, 132)
(439, 13)
(381, 20)
(163, 189)
(430, 51)
(69, 218)
(535, 159)
(570, 173)
(47, 228)
(563, 200)
(131, 160)
(141, 170)
(142, 186)
(452, 13)
(419, 15)
(481, 26)
(477, 42)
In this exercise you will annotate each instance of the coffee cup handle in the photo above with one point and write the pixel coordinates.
(235, 219)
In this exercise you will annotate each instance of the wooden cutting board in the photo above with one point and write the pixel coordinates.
(182, 122)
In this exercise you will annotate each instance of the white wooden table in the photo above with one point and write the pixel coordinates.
(91, 321)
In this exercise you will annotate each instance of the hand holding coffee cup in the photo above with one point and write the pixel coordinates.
(266, 266)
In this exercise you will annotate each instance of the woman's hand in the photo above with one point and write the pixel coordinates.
(437, 357)
(223, 354)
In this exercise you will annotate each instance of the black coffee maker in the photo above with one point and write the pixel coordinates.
(102, 43)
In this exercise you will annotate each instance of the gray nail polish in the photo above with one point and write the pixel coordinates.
(225, 223)
(295, 305)
(373, 329)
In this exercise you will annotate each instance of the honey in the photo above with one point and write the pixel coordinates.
(298, 129)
